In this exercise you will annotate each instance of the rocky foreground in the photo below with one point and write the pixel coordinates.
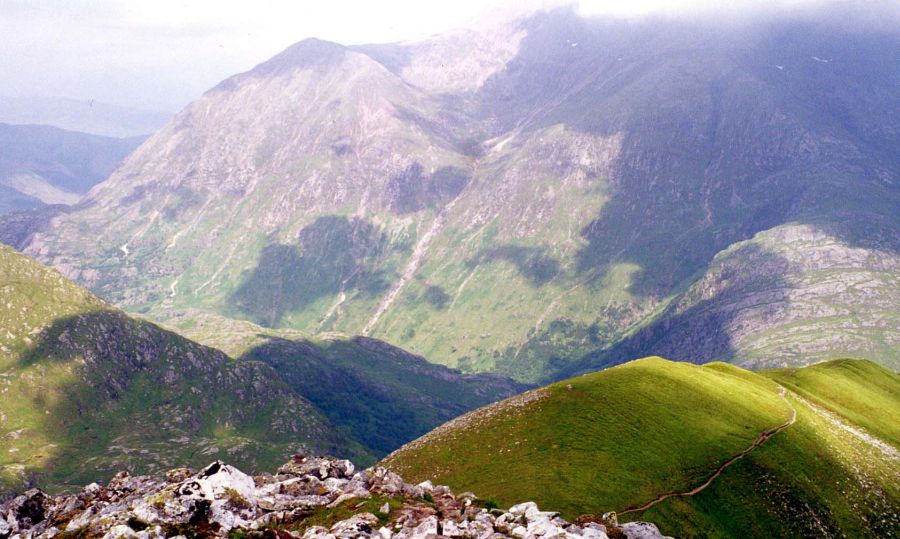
(309, 497)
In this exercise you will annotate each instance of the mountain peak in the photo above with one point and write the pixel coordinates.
(303, 54)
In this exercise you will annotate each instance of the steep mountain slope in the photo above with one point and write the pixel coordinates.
(88, 391)
(380, 394)
(820, 459)
(816, 293)
(532, 200)
(45, 165)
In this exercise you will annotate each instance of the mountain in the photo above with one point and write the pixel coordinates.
(809, 452)
(45, 165)
(381, 395)
(86, 116)
(538, 198)
(307, 497)
(88, 391)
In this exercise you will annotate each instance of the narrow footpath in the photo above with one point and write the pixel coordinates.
(761, 439)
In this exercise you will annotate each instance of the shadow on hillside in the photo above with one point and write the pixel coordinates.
(332, 254)
(716, 144)
(699, 327)
(383, 395)
(532, 263)
(705, 330)
(412, 189)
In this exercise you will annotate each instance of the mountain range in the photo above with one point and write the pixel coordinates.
(537, 198)
(42, 165)
(442, 258)
(82, 115)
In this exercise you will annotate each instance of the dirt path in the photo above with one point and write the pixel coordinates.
(761, 439)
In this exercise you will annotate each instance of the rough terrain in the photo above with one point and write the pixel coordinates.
(309, 497)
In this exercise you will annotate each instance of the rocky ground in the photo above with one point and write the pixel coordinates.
(309, 497)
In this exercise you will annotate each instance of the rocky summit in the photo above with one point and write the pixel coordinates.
(308, 497)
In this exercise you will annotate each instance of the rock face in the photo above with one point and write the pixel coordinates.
(309, 498)
(790, 296)
(546, 205)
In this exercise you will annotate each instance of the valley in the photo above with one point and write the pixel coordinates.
(622, 275)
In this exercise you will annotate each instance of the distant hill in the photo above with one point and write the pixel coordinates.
(42, 165)
(86, 116)
(541, 197)
(622, 438)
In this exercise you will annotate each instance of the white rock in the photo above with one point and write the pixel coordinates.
(451, 528)
(641, 530)
(318, 532)
(334, 484)
(594, 531)
(355, 526)
(427, 527)
(121, 531)
(341, 499)
(544, 527)
(426, 485)
(519, 531)
(523, 508)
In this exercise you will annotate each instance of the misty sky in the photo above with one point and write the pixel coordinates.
(160, 54)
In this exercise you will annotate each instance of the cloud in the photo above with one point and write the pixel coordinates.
(163, 53)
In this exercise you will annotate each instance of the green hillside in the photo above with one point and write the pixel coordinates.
(623, 437)
(88, 391)
(380, 394)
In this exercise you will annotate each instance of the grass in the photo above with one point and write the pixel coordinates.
(621, 437)
(329, 516)
(588, 448)
(862, 392)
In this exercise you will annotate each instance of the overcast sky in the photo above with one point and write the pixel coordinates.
(160, 54)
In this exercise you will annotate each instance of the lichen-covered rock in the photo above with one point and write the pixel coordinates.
(309, 498)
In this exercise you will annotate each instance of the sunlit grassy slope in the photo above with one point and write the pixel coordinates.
(620, 438)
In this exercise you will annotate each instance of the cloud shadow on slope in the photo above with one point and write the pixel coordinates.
(333, 253)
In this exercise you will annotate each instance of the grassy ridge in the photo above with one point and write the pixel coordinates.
(858, 390)
(621, 437)
(608, 437)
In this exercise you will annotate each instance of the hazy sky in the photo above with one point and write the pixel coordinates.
(160, 54)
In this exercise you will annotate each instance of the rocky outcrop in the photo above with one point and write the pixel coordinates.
(308, 497)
